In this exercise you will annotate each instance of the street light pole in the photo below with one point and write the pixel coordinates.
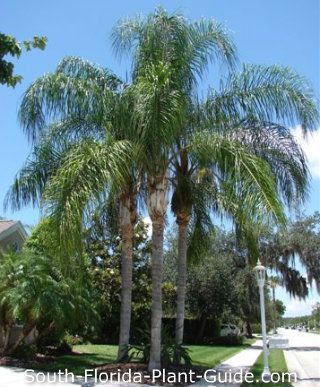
(261, 276)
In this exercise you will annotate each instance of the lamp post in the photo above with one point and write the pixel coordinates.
(260, 272)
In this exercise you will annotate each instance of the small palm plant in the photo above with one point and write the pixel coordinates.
(34, 291)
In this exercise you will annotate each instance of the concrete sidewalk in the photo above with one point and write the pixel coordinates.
(241, 362)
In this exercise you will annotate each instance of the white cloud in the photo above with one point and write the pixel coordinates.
(295, 307)
(311, 147)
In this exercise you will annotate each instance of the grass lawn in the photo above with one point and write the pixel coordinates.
(277, 364)
(209, 356)
(88, 355)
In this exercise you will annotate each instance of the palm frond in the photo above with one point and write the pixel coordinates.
(235, 166)
(82, 178)
(267, 93)
(71, 90)
(210, 41)
(30, 181)
(275, 144)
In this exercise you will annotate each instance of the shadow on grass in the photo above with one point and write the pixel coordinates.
(76, 363)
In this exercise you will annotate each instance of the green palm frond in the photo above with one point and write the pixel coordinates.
(83, 177)
(275, 144)
(267, 93)
(73, 128)
(171, 38)
(82, 69)
(159, 111)
(201, 227)
(210, 41)
(30, 182)
(71, 90)
(249, 176)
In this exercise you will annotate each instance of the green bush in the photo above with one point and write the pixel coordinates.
(169, 350)
(26, 352)
(256, 328)
(73, 339)
(229, 340)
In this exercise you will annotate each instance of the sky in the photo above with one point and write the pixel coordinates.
(284, 32)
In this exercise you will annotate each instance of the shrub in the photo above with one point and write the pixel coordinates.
(256, 328)
(26, 352)
(169, 350)
(229, 340)
(73, 339)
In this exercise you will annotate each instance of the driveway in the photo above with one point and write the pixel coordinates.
(303, 356)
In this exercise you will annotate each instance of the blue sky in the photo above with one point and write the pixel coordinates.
(285, 32)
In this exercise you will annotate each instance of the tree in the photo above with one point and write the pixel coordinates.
(169, 53)
(103, 247)
(36, 292)
(281, 248)
(92, 112)
(10, 46)
(273, 282)
(169, 56)
(229, 114)
(256, 94)
(211, 290)
(220, 285)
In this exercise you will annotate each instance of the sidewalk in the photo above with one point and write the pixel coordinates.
(243, 362)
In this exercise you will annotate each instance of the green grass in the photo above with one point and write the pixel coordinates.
(277, 363)
(88, 355)
(209, 356)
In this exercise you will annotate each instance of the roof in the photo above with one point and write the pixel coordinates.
(5, 224)
(9, 226)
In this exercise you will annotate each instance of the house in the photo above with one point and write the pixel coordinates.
(12, 235)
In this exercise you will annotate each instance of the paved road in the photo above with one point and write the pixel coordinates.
(303, 357)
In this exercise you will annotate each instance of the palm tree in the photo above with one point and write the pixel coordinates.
(273, 282)
(243, 109)
(33, 289)
(169, 53)
(161, 43)
(87, 101)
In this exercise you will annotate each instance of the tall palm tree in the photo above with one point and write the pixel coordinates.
(254, 106)
(273, 282)
(88, 102)
(169, 54)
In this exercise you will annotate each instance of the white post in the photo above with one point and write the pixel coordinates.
(266, 370)
(260, 272)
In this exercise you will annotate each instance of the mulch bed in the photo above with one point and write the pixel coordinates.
(23, 363)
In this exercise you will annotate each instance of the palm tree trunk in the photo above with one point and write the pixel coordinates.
(157, 206)
(274, 309)
(203, 324)
(28, 327)
(126, 227)
(7, 331)
(181, 282)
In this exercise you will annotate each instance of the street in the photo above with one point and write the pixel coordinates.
(303, 356)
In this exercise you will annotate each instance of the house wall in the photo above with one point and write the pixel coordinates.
(13, 241)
